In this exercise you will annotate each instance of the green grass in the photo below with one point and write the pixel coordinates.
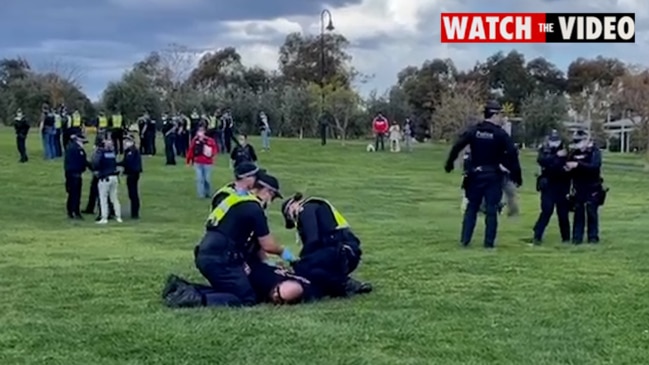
(75, 293)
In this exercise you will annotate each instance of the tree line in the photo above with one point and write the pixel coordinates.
(437, 96)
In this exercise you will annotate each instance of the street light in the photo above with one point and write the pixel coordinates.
(330, 26)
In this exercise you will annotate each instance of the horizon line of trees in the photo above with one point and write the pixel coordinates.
(437, 96)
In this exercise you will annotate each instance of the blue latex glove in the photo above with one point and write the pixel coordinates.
(287, 255)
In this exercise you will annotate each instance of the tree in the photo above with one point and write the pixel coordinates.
(216, 69)
(341, 102)
(633, 93)
(541, 113)
(459, 106)
(424, 86)
(509, 75)
(546, 77)
(300, 59)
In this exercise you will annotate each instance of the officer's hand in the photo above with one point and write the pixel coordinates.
(562, 153)
(571, 165)
(287, 255)
(448, 167)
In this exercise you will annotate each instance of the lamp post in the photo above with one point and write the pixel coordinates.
(326, 14)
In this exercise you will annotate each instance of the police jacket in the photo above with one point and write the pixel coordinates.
(75, 162)
(319, 225)
(104, 163)
(22, 127)
(490, 146)
(132, 161)
(552, 165)
(589, 165)
(241, 154)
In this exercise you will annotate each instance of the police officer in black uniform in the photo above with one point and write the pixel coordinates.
(182, 136)
(169, 129)
(132, 164)
(142, 125)
(554, 185)
(330, 250)
(74, 164)
(21, 127)
(491, 149)
(220, 254)
(150, 135)
(228, 130)
(584, 164)
(244, 152)
(194, 123)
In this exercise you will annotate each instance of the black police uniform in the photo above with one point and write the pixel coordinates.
(74, 164)
(150, 136)
(22, 129)
(330, 250)
(169, 130)
(243, 153)
(228, 131)
(132, 164)
(491, 147)
(182, 136)
(588, 193)
(219, 256)
(554, 185)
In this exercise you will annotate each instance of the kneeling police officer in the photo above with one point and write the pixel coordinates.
(554, 185)
(220, 254)
(330, 250)
(584, 164)
(491, 148)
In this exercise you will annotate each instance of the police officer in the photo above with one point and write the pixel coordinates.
(243, 152)
(584, 164)
(105, 167)
(554, 185)
(76, 124)
(330, 250)
(228, 130)
(150, 135)
(212, 127)
(182, 135)
(58, 134)
(169, 129)
(66, 129)
(219, 256)
(74, 164)
(117, 131)
(491, 148)
(21, 126)
(245, 177)
(132, 164)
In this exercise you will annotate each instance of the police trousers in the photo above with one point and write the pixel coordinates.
(215, 260)
(329, 267)
(554, 195)
(73, 186)
(170, 141)
(487, 186)
(586, 215)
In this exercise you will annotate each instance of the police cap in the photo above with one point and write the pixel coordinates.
(269, 182)
(289, 223)
(245, 169)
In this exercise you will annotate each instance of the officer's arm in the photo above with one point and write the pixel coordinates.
(253, 154)
(261, 230)
(309, 229)
(233, 154)
(459, 145)
(96, 160)
(594, 163)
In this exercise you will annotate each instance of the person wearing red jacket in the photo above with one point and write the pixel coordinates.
(201, 154)
(380, 128)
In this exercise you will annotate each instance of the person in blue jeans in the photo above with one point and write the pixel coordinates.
(264, 125)
(201, 154)
(48, 134)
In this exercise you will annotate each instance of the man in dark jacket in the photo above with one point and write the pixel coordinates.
(132, 164)
(22, 129)
(244, 152)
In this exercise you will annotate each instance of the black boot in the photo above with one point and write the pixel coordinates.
(353, 286)
(171, 284)
(185, 296)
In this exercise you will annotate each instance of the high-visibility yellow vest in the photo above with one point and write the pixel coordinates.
(212, 121)
(222, 208)
(58, 121)
(341, 222)
(117, 120)
(76, 120)
(103, 122)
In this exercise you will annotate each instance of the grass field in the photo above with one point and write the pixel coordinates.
(75, 293)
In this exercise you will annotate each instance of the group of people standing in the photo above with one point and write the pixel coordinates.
(395, 133)
(570, 179)
(233, 253)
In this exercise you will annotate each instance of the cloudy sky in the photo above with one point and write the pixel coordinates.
(102, 38)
